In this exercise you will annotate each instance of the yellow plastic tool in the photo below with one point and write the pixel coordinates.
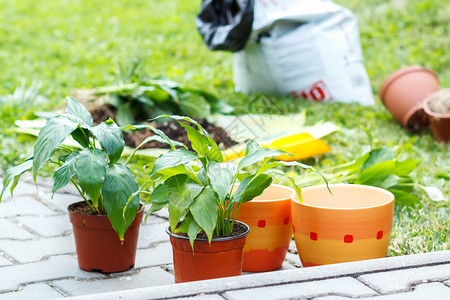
(301, 145)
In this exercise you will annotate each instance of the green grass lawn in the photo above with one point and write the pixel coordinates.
(83, 44)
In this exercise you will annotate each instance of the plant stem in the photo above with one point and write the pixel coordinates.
(82, 195)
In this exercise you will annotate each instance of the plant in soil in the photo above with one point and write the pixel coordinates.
(93, 168)
(197, 185)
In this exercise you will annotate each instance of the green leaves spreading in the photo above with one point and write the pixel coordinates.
(111, 186)
(90, 166)
(118, 186)
(200, 197)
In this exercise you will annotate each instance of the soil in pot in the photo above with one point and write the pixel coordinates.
(221, 258)
(97, 244)
(172, 129)
(437, 107)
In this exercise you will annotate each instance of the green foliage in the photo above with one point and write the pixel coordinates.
(204, 200)
(94, 171)
(379, 167)
(148, 98)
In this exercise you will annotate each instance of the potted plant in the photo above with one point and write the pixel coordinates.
(106, 223)
(437, 108)
(198, 188)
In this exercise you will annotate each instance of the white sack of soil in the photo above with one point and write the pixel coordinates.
(308, 49)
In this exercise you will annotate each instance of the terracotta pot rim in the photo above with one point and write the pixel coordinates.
(432, 113)
(411, 112)
(70, 206)
(221, 239)
(368, 187)
(399, 73)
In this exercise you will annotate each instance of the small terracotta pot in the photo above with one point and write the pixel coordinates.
(221, 258)
(269, 218)
(98, 246)
(354, 223)
(440, 123)
(403, 93)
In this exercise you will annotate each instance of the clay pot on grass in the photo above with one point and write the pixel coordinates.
(437, 107)
(353, 223)
(404, 92)
(97, 244)
(269, 218)
(221, 258)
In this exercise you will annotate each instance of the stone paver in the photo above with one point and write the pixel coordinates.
(60, 201)
(152, 233)
(22, 206)
(4, 262)
(37, 260)
(9, 230)
(48, 226)
(159, 255)
(35, 250)
(64, 266)
(401, 280)
(144, 278)
(345, 286)
(32, 292)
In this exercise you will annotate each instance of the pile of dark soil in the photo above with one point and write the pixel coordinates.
(172, 129)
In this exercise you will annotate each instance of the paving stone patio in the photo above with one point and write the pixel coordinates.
(38, 261)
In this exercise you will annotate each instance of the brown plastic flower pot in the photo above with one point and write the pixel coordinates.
(440, 121)
(404, 92)
(98, 246)
(221, 258)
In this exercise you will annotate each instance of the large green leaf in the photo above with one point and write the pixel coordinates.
(111, 139)
(220, 177)
(51, 135)
(172, 159)
(74, 107)
(190, 227)
(81, 135)
(376, 173)
(258, 155)
(90, 167)
(161, 193)
(404, 198)
(118, 186)
(251, 187)
(403, 168)
(379, 155)
(14, 173)
(204, 210)
(183, 193)
(194, 105)
(64, 174)
(203, 145)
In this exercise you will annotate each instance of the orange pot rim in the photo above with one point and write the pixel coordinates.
(277, 199)
(432, 113)
(220, 239)
(391, 197)
(399, 73)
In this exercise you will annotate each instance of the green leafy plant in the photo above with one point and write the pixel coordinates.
(197, 186)
(380, 167)
(103, 182)
(148, 98)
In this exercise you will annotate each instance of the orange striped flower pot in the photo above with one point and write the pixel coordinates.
(354, 223)
(269, 218)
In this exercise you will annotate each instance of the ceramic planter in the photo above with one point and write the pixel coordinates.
(440, 122)
(403, 93)
(98, 246)
(269, 218)
(221, 258)
(354, 223)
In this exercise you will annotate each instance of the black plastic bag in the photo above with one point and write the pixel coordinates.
(225, 24)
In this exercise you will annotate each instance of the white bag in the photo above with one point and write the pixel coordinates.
(306, 48)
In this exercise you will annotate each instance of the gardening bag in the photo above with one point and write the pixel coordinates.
(225, 24)
(308, 48)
